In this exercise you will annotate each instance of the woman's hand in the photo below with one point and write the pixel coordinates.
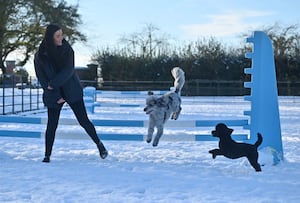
(61, 100)
(49, 87)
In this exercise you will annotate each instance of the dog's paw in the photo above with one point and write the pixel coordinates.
(174, 116)
(149, 138)
(155, 142)
(212, 153)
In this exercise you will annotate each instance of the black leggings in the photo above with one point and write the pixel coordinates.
(81, 116)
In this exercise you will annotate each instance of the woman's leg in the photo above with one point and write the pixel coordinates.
(53, 117)
(81, 115)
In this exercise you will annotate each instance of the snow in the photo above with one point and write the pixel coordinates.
(134, 171)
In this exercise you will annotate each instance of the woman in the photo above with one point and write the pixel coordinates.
(54, 67)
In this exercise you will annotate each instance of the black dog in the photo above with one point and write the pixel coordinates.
(233, 150)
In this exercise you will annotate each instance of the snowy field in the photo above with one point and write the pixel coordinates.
(134, 171)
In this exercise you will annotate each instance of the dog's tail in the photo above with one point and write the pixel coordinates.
(259, 140)
(178, 75)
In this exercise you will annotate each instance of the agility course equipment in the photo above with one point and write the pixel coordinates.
(91, 102)
(69, 122)
(264, 113)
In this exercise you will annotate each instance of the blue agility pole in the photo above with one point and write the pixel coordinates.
(264, 113)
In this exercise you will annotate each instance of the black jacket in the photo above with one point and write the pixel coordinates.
(62, 77)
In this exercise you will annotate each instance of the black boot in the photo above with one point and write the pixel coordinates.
(46, 159)
(103, 152)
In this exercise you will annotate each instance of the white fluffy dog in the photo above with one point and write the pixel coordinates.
(161, 108)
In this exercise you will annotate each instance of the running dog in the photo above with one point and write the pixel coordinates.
(160, 109)
(233, 150)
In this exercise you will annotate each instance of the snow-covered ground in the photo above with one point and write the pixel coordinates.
(134, 171)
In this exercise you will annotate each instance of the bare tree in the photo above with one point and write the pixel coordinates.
(147, 43)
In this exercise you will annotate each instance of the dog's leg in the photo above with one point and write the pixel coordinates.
(215, 152)
(150, 129)
(160, 130)
(253, 160)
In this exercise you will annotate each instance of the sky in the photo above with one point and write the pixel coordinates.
(104, 22)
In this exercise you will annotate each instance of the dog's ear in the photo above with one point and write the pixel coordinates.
(229, 131)
(223, 128)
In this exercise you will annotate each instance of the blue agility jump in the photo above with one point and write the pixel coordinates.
(91, 103)
(124, 123)
(119, 123)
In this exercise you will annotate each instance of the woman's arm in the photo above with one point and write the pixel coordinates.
(66, 72)
(43, 78)
(40, 74)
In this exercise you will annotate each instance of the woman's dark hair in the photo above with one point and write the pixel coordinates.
(50, 30)
(48, 46)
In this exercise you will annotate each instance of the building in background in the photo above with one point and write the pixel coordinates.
(90, 75)
(10, 66)
(10, 78)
